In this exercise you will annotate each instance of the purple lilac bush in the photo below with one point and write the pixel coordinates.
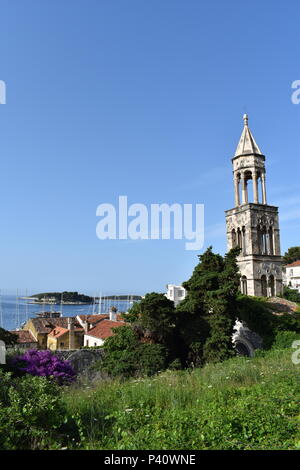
(46, 364)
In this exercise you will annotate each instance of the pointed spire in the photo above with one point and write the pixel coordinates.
(247, 144)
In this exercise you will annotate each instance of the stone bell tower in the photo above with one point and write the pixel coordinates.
(252, 224)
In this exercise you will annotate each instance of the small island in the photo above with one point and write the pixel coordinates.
(73, 298)
(70, 298)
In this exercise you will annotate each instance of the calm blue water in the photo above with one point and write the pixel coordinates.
(14, 313)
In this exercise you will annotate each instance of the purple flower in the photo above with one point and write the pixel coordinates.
(46, 364)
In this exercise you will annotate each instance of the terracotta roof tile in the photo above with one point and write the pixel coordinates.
(58, 331)
(93, 319)
(294, 264)
(24, 336)
(45, 325)
(103, 329)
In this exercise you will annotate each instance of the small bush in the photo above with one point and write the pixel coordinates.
(30, 412)
(284, 339)
(125, 356)
(291, 294)
(45, 364)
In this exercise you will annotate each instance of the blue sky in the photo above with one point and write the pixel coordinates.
(144, 99)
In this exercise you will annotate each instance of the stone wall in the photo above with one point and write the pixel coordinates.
(82, 360)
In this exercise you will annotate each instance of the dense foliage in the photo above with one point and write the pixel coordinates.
(45, 364)
(125, 355)
(293, 254)
(9, 339)
(257, 315)
(30, 413)
(207, 315)
(291, 294)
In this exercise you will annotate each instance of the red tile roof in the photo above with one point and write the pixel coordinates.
(24, 336)
(45, 325)
(93, 319)
(294, 264)
(58, 331)
(103, 329)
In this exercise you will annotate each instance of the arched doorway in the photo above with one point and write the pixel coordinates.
(242, 349)
(272, 285)
(264, 290)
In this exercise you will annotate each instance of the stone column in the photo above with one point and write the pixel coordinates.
(236, 191)
(263, 185)
(255, 187)
(244, 190)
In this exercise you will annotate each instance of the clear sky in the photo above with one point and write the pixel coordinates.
(142, 98)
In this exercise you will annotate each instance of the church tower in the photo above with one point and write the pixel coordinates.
(252, 224)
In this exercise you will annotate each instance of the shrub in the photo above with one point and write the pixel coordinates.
(30, 412)
(125, 356)
(284, 339)
(291, 294)
(45, 364)
(152, 358)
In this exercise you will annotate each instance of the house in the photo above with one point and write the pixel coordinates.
(96, 335)
(293, 275)
(25, 339)
(41, 328)
(90, 321)
(58, 338)
(175, 293)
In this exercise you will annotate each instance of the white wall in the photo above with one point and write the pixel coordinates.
(175, 293)
(91, 341)
(293, 277)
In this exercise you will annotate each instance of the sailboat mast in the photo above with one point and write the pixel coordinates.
(26, 305)
(61, 305)
(1, 312)
(99, 305)
(17, 311)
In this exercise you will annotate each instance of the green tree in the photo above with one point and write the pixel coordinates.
(126, 356)
(293, 254)
(133, 313)
(157, 318)
(9, 339)
(207, 314)
(291, 294)
(221, 311)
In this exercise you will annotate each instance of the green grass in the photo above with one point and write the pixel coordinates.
(242, 403)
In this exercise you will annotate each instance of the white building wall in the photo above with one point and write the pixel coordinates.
(175, 293)
(293, 277)
(92, 341)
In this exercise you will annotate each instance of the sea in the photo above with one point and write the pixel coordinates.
(15, 311)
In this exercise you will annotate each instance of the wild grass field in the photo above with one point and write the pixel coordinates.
(242, 403)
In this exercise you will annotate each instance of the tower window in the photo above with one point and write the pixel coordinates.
(233, 238)
(244, 285)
